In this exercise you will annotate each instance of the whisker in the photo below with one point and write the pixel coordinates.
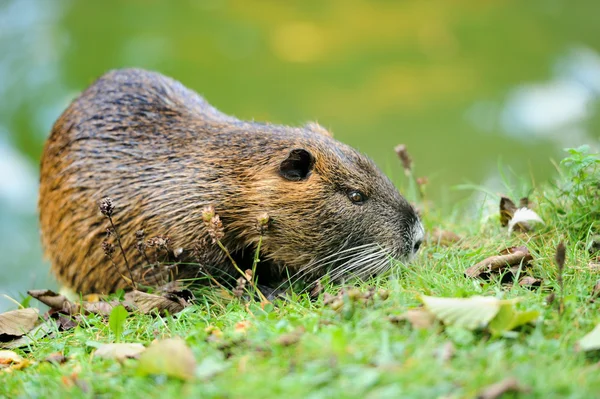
(361, 266)
(322, 263)
(362, 262)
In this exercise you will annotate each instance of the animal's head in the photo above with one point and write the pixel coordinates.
(333, 211)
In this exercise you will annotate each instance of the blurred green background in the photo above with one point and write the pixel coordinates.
(465, 84)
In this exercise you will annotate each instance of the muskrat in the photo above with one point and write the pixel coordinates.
(162, 153)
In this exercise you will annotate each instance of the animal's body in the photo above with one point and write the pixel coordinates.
(162, 153)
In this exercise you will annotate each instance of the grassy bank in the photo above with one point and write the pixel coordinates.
(356, 346)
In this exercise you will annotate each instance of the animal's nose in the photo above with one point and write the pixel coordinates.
(417, 245)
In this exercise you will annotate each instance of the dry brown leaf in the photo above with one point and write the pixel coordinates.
(494, 391)
(498, 263)
(60, 303)
(418, 318)
(595, 291)
(74, 380)
(66, 322)
(316, 290)
(214, 331)
(513, 250)
(10, 361)
(9, 357)
(443, 237)
(120, 351)
(383, 294)
(17, 323)
(328, 298)
(594, 267)
(594, 246)
(55, 301)
(507, 210)
(517, 218)
(147, 303)
(335, 302)
(530, 282)
(99, 308)
(291, 338)
(525, 203)
(56, 358)
(242, 326)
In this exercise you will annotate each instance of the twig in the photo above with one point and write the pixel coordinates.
(235, 265)
(106, 207)
(560, 262)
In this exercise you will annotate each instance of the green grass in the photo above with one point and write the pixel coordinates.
(356, 352)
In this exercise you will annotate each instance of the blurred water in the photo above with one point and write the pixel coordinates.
(464, 84)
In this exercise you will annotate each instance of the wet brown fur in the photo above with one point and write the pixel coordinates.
(162, 153)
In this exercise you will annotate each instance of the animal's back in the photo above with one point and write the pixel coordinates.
(121, 139)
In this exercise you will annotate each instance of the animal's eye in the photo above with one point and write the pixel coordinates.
(356, 197)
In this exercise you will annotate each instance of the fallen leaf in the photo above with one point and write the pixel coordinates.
(214, 332)
(418, 318)
(594, 266)
(590, 342)
(291, 338)
(522, 220)
(498, 263)
(66, 322)
(383, 294)
(354, 293)
(335, 302)
(120, 351)
(242, 326)
(498, 389)
(316, 290)
(9, 357)
(10, 361)
(530, 282)
(170, 357)
(99, 308)
(593, 245)
(509, 318)
(507, 210)
(62, 304)
(37, 333)
(162, 304)
(525, 203)
(74, 380)
(595, 291)
(17, 323)
(470, 313)
(56, 358)
(328, 298)
(443, 237)
(55, 301)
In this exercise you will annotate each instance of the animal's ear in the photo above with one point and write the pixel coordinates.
(298, 165)
(315, 127)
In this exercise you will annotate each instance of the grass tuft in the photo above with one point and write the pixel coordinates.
(305, 347)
